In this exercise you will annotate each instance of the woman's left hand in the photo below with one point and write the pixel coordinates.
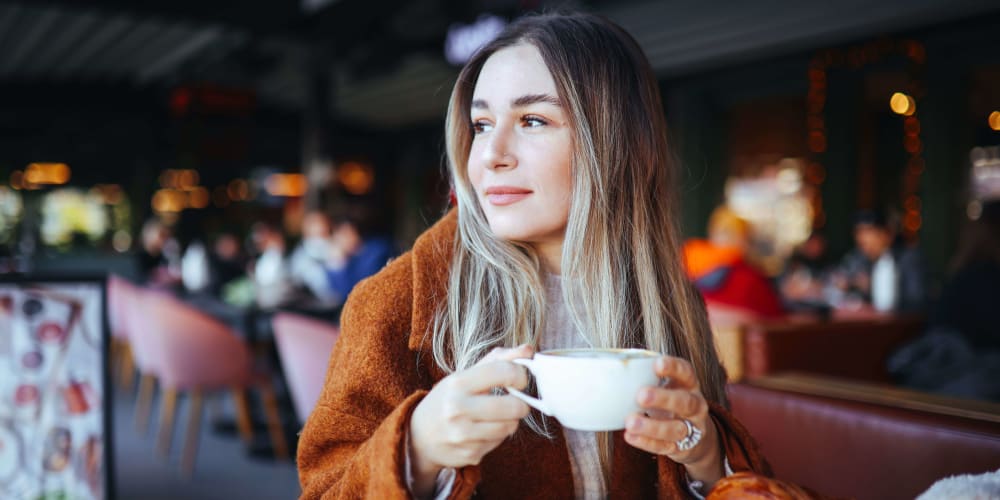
(659, 428)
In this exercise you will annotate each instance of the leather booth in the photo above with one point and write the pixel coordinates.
(855, 348)
(849, 439)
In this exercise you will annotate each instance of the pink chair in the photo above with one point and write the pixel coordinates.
(304, 346)
(194, 353)
(143, 347)
(119, 291)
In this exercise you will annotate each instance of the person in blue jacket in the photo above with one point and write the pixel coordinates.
(357, 251)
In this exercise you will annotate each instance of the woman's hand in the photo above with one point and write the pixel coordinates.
(460, 420)
(659, 428)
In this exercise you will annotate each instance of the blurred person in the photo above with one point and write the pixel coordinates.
(968, 301)
(309, 260)
(356, 251)
(959, 355)
(802, 282)
(720, 267)
(228, 261)
(880, 273)
(273, 284)
(196, 268)
(159, 255)
(565, 235)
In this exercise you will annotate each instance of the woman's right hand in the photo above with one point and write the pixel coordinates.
(461, 420)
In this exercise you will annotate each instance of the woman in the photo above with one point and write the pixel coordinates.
(565, 235)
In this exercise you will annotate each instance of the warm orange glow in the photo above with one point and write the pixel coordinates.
(817, 142)
(110, 193)
(291, 185)
(995, 120)
(198, 197)
(815, 174)
(902, 104)
(238, 189)
(357, 178)
(912, 203)
(17, 179)
(187, 179)
(167, 179)
(912, 221)
(169, 200)
(47, 173)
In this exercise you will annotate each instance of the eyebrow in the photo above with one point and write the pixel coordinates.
(520, 102)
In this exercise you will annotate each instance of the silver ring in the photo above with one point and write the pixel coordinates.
(691, 439)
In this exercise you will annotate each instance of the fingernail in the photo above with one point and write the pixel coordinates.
(661, 364)
(646, 396)
(634, 424)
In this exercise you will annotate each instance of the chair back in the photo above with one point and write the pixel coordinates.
(119, 290)
(192, 348)
(304, 345)
(131, 299)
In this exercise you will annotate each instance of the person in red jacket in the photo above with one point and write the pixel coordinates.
(719, 268)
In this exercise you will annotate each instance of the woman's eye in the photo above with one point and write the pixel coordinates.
(480, 126)
(534, 121)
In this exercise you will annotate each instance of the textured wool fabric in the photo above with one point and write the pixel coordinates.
(353, 443)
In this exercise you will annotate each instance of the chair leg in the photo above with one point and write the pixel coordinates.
(144, 402)
(167, 410)
(274, 427)
(115, 357)
(126, 373)
(193, 430)
(243, 420)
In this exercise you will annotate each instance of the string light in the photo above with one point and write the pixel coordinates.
(902, 103)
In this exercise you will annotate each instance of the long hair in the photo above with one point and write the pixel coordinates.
(621, 264)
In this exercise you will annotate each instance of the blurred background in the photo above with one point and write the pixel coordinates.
(219, 151)
(191, 111)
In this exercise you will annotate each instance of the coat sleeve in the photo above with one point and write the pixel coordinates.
(741, 450)
(352, 445)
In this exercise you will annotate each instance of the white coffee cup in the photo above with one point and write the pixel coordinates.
(589, 389)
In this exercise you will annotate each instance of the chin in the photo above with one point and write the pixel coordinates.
(515, 229)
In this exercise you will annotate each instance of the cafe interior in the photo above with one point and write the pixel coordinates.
(183, 182)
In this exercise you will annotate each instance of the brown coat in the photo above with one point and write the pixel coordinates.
(353, 444)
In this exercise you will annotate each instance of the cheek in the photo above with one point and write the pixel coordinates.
(474, 171)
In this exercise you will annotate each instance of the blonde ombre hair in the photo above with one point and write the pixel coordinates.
(621, 262)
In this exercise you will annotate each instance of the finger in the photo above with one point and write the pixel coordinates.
(679, 371)
(471, 435)
(658, 414)
(485, 376)
(496, 408)
(509, 353)
(651, 445)
(679, 402)
(491, 432)
(660, 430)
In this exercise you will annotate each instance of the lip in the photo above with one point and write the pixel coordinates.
(506, 195)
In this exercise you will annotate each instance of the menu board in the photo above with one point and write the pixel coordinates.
(54, 398)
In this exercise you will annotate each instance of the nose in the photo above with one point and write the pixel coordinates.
(498, 152)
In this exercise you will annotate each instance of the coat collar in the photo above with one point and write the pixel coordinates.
(432, 254)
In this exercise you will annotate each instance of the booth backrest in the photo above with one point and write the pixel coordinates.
(856, 349)
(847, 439)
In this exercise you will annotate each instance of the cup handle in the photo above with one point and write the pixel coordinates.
(530, 401)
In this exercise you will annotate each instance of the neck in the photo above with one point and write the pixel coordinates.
(551, 255)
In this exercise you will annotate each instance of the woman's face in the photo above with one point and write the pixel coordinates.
(519, 164)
